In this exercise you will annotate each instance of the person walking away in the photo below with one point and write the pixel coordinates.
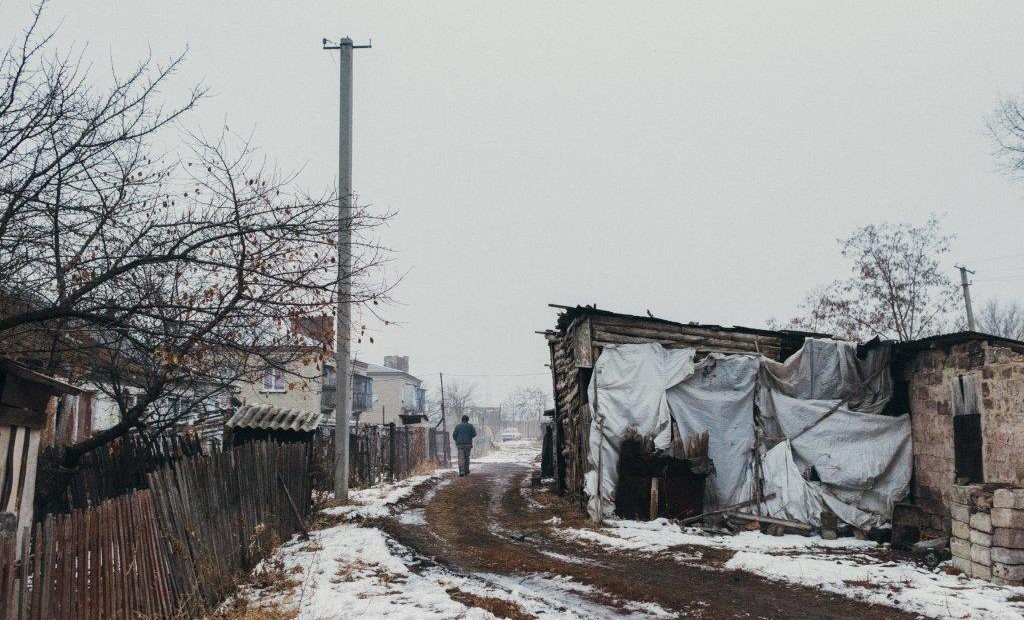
(463, 436)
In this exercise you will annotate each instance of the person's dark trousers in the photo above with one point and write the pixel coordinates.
(464, 459)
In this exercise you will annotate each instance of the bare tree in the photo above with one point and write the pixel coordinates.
(898, 288)
(1002, 319)
(524, 404)
(458, 396)
(1006, 126)
(152, 276)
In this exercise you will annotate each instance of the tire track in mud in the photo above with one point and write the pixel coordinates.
(491, 525)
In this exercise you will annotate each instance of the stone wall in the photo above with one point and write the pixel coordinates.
(998, 372)
(987, 537)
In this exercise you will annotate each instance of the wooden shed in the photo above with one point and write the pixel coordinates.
(578, 338)
(25, 399)
(262, 422)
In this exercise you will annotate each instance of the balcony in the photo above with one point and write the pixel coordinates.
(362, 393)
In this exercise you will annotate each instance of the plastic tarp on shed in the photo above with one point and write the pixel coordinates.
(862, 459)
(631, 383)
(719, 397)
(826, 401)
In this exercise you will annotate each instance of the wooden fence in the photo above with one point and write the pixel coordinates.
(169, 551)
(380, 453)
(116, 468)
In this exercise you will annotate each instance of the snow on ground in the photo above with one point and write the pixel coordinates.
(841, 566)
(519, 452)
(353, 571)
(376, 502)
(662, 534)
(897, 584)
(350, 571)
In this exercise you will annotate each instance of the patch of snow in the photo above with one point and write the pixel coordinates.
(377, 502)
(840, 566)
(553, 521)
(350, 571)
(417, 516)
(517, 452)
(896, 584)
(661, 534)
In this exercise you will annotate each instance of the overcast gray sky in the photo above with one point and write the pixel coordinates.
(698, 160)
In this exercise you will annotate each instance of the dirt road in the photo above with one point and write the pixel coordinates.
(493, 523)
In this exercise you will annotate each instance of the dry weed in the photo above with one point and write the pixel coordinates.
(241, 608)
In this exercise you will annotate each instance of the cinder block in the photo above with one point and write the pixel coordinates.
(961, 530)
(981, 538)
(981, 571)
(999, 581)
(1009, 538)
(981, 521)
(962, 564)
(982, 501)
(963, 494)
(1005, 556)
(981, 555)
(960, 512)
(1008, 517)
(1009, 572)
(960, 548)
(1008, 498)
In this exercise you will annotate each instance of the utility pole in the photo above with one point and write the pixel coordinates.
(343, 331)
(967, 296)
(444, 423)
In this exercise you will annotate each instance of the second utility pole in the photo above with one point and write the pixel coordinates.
(343, 331)
(967, 295)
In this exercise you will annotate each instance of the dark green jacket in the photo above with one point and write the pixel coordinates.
(464, 434)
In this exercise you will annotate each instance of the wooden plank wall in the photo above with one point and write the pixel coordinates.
(576, 346)
(172, 550)
(19, 450)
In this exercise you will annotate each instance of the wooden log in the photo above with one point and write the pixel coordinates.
(668, 327)
(796, 525)
(670, 344)
(750, 502)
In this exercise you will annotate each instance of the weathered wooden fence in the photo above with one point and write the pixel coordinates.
(169, 551)
(380, 453)
(113, 470)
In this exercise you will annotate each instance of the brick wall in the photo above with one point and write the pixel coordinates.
(1000, 374)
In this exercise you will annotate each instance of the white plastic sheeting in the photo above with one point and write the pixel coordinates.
(819, 409)
(632, 380)
(719, 397)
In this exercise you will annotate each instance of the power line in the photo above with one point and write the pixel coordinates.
(495, 374)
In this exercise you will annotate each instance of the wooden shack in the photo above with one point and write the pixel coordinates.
(581, 332)
(25, 404)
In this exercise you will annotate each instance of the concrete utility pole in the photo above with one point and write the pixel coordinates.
(343, 331)
(967, 296)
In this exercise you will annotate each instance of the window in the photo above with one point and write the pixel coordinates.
(273, 381)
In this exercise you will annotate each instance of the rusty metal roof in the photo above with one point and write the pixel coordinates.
(274, 418)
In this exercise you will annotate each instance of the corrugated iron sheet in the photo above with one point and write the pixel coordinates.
(274, 418)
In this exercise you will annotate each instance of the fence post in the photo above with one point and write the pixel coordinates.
(391, 449)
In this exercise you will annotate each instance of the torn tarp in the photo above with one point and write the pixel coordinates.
(630, 381)
(857, 462)
(719, 397)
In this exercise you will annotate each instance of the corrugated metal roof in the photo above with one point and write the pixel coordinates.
(274, 418)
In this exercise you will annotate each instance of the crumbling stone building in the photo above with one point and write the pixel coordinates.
(966, 398)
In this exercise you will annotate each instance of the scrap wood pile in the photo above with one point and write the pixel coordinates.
(655, 483)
